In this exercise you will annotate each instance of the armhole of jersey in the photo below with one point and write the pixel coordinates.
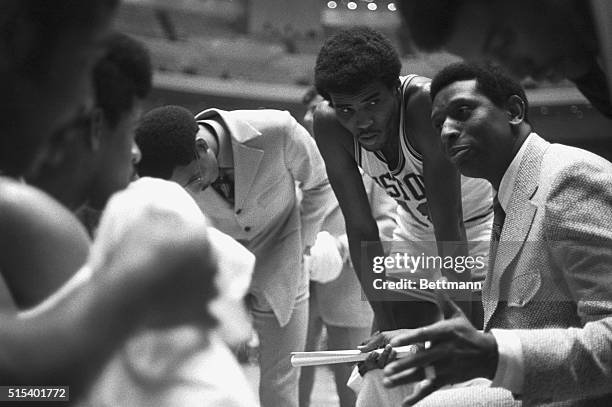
(413, 152)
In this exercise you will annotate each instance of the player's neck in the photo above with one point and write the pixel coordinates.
(391, 147)
(391, 150)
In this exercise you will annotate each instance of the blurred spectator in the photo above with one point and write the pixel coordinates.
(96, 156)
(48, 51)
(96, 159)
(545, 39)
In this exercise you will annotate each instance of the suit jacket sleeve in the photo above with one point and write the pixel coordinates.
(305, 163)
(562, 364)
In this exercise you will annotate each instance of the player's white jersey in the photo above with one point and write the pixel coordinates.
(406, 185)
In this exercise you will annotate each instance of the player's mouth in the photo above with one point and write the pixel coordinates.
(458, 152)
(367, 138)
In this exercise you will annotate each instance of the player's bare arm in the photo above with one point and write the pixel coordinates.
(336, 146)
(442, 180)
(34, 268)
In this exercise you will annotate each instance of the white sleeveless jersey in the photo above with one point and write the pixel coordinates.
(406, 185)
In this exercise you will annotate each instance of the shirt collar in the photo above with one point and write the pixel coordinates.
(507, 183)
(225, 156)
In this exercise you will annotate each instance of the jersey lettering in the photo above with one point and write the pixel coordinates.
(416, 184)
(411, 189)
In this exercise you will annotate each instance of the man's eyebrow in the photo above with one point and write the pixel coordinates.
(371, 96)
(367, 98)
(459, 101)
(337, 105)
(437, 111)
(374, 94)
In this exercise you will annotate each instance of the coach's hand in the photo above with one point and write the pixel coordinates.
(458, 352)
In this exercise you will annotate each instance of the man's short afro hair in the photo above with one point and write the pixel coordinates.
(123, 75)
(490, 78)
(354, 58)
(166, 138)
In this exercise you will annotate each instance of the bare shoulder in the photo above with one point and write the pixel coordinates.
(29, 204)
(418, 115)
(30, 217)
(41, 243)
(417, 95)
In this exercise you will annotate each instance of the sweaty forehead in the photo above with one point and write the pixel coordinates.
(363, 94)
(459, 89)
(455, 92)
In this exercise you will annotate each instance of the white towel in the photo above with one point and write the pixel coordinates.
(236, 265)
(325, 261)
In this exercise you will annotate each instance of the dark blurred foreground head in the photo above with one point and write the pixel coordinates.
(47, 53)
(95, 157)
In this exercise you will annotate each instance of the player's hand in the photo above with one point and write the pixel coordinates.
(377, 341)
(458, 352)
(376, 360)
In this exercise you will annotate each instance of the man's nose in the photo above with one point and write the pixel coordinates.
(363, 121)
(448, 133)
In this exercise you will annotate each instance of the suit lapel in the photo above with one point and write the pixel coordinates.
(246, 159)
(519, 219)
(245, 172)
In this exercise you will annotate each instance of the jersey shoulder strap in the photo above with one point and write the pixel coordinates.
(405, 85)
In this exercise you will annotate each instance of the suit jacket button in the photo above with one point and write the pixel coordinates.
(238, 211)
(248, 228)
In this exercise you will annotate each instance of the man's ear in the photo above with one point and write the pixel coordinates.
(516, 109)
(201, 145)
(96, 129)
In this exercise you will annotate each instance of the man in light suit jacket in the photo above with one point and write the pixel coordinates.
(547, 295)
(252, 159)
